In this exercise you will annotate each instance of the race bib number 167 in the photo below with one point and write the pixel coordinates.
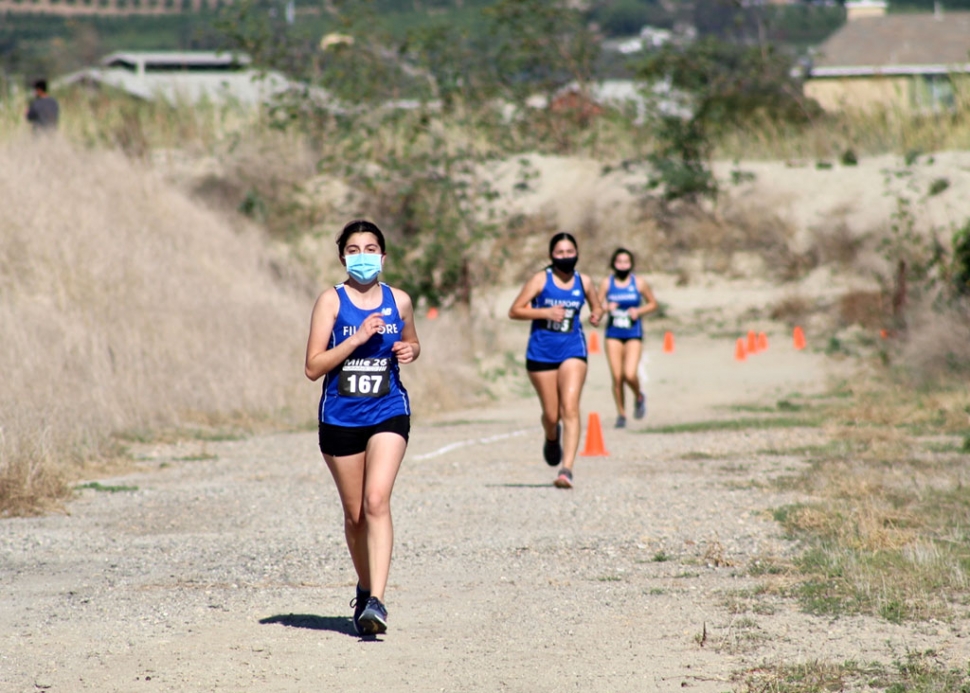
(365, 378)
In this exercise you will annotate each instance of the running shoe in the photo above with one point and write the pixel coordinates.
(552, 450)
(373, 619)
(359, 603)
(641, 408)
(565, 479)
(620, 422)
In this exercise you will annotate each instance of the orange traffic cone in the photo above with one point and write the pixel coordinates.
(762, 341)
(594, 438)
(432, 313)
(739, 354)
(668, 342)
(594, 342)
(798, 338)
(752, 346)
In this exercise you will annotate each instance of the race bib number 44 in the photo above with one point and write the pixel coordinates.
(621, 319)
(365, 378)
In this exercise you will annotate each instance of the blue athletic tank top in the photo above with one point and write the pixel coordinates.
(366, 388)
(554, 342)
(621, 325)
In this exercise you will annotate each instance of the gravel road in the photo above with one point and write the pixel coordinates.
(225, 568)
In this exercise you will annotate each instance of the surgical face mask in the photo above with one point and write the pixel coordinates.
(364, 267)
(621, 274)
(565, 265)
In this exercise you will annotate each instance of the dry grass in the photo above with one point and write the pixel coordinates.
(126, 306)
(864, 133)
(884, 527)
(129, 309)
(937, 345)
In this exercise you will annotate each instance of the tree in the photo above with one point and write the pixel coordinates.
(540, 45)
(727, 86)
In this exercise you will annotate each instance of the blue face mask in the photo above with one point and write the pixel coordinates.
(364, 267)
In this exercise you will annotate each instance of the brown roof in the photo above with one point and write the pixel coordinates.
(898, 41)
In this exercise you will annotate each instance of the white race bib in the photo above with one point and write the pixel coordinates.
(365, 378)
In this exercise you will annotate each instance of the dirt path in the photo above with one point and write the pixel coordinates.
(230, 573)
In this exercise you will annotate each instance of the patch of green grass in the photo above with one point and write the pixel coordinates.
(215, 436)
(766, 566)
(200, 457)
(915, 672)
(934, 446)
(830, 450)
(696, 455)
(610, 578)
(869, 560)
(463, 422)
(736, 425)
(97, 486)
(752, 408)
(661, 557)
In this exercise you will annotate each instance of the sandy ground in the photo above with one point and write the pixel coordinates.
(226, 569)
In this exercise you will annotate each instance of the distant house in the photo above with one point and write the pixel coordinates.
(906, 62)
(184, 77)
(107, 7)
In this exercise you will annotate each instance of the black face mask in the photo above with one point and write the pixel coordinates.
(566, 265)
(621, 274)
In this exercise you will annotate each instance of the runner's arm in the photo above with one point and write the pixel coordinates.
(320, 359)
(522, 305)
(408, 348)
(604, 290)
(651, 303)
(593, 299)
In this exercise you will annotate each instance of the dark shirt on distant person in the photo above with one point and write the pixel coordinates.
(44, 113)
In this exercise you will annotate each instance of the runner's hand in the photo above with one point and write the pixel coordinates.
(634, 313)
(556, 313)
(594, 319)
(404, 351)
(371, 325)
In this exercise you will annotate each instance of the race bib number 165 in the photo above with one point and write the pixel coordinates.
(364, 378)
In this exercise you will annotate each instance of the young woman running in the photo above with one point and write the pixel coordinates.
(360, 331)
(626, 299)
(556, 356)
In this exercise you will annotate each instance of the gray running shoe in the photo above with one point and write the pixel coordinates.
(552, 450)
(359, 603)
(620, 422)
(565, 479)
(373, 619)
(641, 407)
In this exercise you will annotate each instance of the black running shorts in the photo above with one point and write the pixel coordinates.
(540, 366)
(340, 441)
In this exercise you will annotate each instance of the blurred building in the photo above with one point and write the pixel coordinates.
(107, 7)
(905, 62)
(183, 77)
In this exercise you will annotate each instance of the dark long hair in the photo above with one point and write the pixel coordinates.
(359, 226)
(623, 251)
(562, 236)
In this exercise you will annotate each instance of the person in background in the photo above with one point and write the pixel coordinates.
(43, 112)
(556, 356)
(626, 299)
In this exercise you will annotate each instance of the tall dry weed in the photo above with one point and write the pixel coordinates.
(124, 305)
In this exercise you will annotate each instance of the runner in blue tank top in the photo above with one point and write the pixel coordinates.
(626, 299)
(556, 356)
(360, 332)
